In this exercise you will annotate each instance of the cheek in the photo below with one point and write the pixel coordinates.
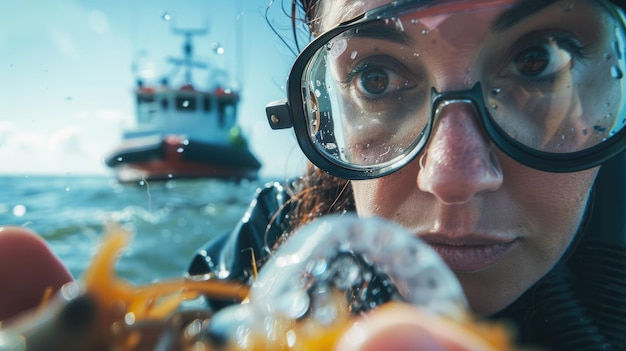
(385, 196)
(551, 202)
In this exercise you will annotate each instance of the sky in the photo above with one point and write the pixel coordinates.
(68, 67)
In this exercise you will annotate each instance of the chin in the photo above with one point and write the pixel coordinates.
(486, 299)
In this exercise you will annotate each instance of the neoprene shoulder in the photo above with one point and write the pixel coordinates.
(230, 255)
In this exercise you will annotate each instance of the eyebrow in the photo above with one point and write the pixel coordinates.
(379, 30)
(519, 12)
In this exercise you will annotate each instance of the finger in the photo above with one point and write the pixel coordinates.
(400, 327)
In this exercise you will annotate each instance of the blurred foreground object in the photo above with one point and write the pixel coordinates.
(319, 291)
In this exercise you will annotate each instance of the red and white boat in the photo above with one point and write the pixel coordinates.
(184, 132)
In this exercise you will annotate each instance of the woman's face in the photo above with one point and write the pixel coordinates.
(498, 224)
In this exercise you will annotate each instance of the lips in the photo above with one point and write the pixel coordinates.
(469, 253)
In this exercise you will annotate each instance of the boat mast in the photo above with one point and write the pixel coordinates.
(187, 60)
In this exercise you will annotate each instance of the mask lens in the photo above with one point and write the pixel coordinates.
(551, 77)
(364, 107)
(559, 88)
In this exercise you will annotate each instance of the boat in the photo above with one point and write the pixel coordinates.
(182, 131)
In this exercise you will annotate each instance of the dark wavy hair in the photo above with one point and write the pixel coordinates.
(317, 193)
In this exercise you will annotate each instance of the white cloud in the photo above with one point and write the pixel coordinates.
(66, 141)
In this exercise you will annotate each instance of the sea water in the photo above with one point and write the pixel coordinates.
(168, 220)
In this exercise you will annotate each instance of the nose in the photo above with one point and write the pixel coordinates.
(458, 162)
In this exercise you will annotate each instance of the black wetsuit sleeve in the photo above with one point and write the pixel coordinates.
(229, 256)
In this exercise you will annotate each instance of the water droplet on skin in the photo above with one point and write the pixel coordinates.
(415, 21)
(425, 31)
(318, 93)
(495, 107)
(353, 55)
(608, 115)
(585, 131)
(616, 72)
(496, 91)
(165, 16)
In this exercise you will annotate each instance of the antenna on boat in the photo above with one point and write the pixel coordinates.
(187, 60)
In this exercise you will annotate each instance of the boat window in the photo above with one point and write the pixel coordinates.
(226, 109)
(186, 103)
(145, 98)
(206, 105)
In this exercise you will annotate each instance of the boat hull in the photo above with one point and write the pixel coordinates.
(174, 157)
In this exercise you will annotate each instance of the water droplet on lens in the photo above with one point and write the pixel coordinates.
(119, 159)
(186, 103)
(218, 48)
(616, 72)
(165, 16)
(616, 50)
(67, 188)
(19, 210)
(180, 150)
(585, 131)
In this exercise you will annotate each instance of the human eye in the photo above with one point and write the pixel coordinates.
(373, 80)
(545, 60)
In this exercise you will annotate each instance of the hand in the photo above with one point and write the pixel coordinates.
(27, 269)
